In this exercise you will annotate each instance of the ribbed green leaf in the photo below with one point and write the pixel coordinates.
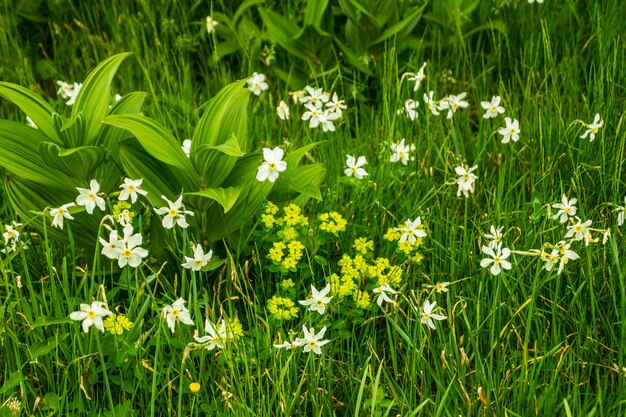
(214, 163)
(154, 138)
(94, 98)
(19, 153)
(77, 162)
(33, 105)
(129, 104)
(407, 21)
(226, 197)
(283, 31)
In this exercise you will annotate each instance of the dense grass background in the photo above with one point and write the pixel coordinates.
(524, 343)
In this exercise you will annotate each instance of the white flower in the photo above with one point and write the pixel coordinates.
(511, 131)
(431, 103)
(382, 294)
(550, 259)
(129, 252)
(466, 180)
(30, 122)
(592, 128)
(89, 197)
(428, 316)
(286, 345)
(495, 236)
(411, 230)
(493, 108)
(417, 77)
(454, 103)
(566, 254)
(409, 108)
(187, 147)
(11, 233)
(215, 337)
(311, 341)
(497, 260)
(173, 213)
(282, 110)
(199, 259)
(317, 97)
(273, 164)
(211, 24)
(297, 96)
(313, 115)
(176, 312)
(118, 97)
(91, 315)
(566, 209)
(401, 152)
(318, 299)
(59, 213)
(532, 1)
(355, 167)
(578, 230)
(336, 105)
(257, 83)
(131, 188)
(68, 91)
(113, 248)
(326, 119)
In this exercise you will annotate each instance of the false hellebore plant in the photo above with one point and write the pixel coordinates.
(45, 164)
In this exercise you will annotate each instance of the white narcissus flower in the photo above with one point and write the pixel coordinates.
(431, 103)
(428, 316)
(336, 105)
(89, 198)
(326, 119)
(453, 104)
(282, 111)
(497, 259)
(563, 248)
(493, 108)
(312, 342)
(409, 109)
(511, 131)
(495, 236)
(593, 128)
(174, 213)
(566, 209)
(532, 1)
(257, 83)
(130, 253)
(382, 294)
(199, 260)
(417, 77)
(318, 299)
(355, 167)
(466, 180)
(58, 214)
(30, 122)
(131, 188)
(273, 164)
(401, 152)
(286, 345)
(313, 115)
(11, 233)
(176, 312)
(91, 315)
(411, 230)
(620, 213)
(215, 338)
(578, 230)
(187, 147)
(113, 248)
(317, 97)
(68, 91)
(211, 24)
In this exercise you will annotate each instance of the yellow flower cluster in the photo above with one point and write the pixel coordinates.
(287, 283)
(282, 308)
(277, 251)
(363, 245)
(234, 327)
(292, 217)
(295, 251)
(332, 222)
(356, 271)
(121, 210)
(407, 248)
(117, 324)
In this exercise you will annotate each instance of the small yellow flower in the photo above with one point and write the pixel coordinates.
(271, 208)
(287, 283)
(282, 308)
(332, 222)
(234, 327)
(392, 234)
(276, 252)
(363, 245)
(117, 324)
(290, 263)
(290, 233)
(362, 299)
(268, 220)
(194, 387)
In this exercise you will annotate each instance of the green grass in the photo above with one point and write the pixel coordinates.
(524, 343)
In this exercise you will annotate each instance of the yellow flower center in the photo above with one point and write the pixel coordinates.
(173, 212)
(512, 130)
(426, 316)
(496, 260)
(567, 210)
(175, 312)
(127, 253)
(466, 176)
(595, 129)
(91, 196)
(197, 262)
(60, 212)
(494, 109)
(131, 187)
(272, 165)
(319, 303)
(455, 106)
(91, 314)
(578, 228)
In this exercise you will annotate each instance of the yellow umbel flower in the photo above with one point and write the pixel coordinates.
(282, 308)
(332, 222)
(268, 220)
(362, 299)
(363, 245)
(392, 234)
(293, 216)
(117, 324)
(287, 283)
(290, 263)
(271, 208)
(234, 327)
(276, 252)
(290, 233)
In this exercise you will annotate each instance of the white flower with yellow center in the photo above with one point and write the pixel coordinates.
(215, 337)
(355, 167)
(91, 315)
(493, 108)
(312, 342)
(131, 188)
(566, 209)
(129, 252)
(453, 104)
(89, 197)
(497, 258)
(282, 111)
(511, 131)
(401, 152)
(382, 294)
(428, 316)
(318, 299)
(60, 213)
(578, 230)
(257, 83)
(273, 164)
(199, 259)
(176, 312)
(211, 24)
(593, 128)
(174, 213)
(411, 230)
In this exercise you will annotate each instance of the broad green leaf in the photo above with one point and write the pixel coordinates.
(49, 321)
(283, 31)
(225, 116)
(154, 138)
(11, 382)
(94, 97)
(313, 17)
(300, 184)
(243, 7)
(19, 154)
(226, 197)
(109, 136)
(214, 163)
(407, 21)
(33, 105)
(76, 162)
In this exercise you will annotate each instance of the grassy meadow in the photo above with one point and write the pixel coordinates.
(530, 315)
